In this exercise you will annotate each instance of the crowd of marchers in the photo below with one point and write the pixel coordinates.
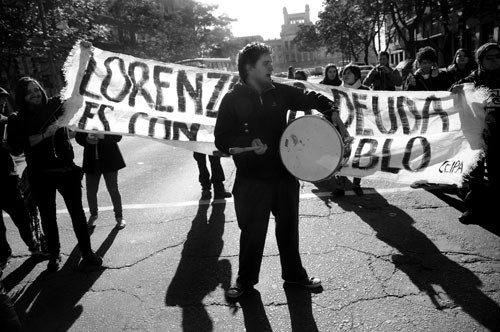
(252, 115)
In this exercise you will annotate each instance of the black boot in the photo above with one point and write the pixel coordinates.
(220, 192)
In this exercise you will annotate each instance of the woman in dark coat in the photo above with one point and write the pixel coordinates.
(331, 76)
(49, 158)
(463, 65)
(102, 157)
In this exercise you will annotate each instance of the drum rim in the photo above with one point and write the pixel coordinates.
(342, 147)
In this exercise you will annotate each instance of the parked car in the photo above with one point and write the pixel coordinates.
(318, 70)
(282, 74)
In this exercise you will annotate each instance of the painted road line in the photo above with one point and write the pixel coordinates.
(305, 196)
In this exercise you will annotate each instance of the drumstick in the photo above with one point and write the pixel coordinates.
(217, 153)
(245, 149)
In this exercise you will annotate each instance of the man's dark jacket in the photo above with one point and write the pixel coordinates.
(244, 115)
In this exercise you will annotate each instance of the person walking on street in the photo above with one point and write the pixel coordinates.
(383, 77)
(253, 115)
(207, 181)
(11, 200)
(351, 78)
(49, 158)
(102, 158)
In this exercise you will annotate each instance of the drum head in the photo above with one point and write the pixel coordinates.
(311, 148)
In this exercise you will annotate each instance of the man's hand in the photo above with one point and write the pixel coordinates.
(385, 69)
(411, 79)
(261, 147)
(434, 71)
(337, 122)
(86, 44)
(51, 130)
(92, 139)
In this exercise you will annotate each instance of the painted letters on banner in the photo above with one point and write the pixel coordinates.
(433, 136)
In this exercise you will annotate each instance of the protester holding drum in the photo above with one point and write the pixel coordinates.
(253, 115)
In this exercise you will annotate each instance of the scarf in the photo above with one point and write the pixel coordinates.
(356, 85)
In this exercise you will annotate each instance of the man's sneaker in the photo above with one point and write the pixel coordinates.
(91, 221)
(120, 223)
(467, 218)
(420, 184)
(306, 282)
(92, 259)
(222, 194)
(236, 291)
(54, 263)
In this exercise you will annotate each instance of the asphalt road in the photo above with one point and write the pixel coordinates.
(394, 259)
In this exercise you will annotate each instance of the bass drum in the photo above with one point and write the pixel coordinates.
(312, 149)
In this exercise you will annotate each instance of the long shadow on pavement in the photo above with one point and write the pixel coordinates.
(254, 313)
(422, 261)
(299, 305)
(50, 302)
(16, 276)
(487, 219)
(200, 271)
(300, 308)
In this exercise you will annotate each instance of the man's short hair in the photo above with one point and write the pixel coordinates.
(249, 55)
(384, 53)
(426, 53)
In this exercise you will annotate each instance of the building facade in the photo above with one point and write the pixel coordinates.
(286, 53)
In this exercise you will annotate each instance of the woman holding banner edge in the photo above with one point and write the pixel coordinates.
(49, 158)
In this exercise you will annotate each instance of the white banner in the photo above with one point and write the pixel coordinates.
(402, 136)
